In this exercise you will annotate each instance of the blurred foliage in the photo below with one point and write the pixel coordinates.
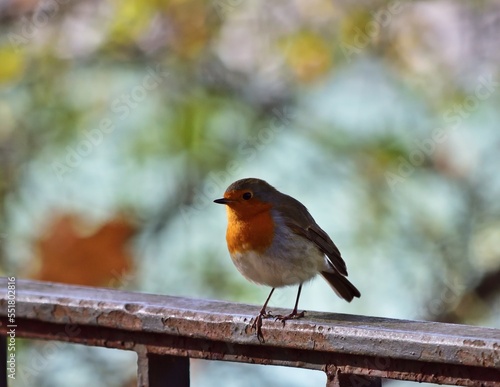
(308, 55)
(121, 121)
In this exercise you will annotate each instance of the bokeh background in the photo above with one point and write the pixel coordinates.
(121, 121)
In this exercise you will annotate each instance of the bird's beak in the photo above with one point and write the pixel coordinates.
(222, 201)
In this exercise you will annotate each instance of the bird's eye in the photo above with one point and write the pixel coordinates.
(247, 195)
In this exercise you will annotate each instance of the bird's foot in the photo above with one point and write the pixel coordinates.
(292, 316)
(257, 324)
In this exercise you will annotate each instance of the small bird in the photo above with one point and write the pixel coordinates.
(274, 241)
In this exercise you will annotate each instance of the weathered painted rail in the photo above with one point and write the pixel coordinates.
(167, 331)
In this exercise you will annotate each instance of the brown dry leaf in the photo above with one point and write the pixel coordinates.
(72, 253)
(190, 27)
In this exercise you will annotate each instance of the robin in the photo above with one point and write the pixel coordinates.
(274, 241)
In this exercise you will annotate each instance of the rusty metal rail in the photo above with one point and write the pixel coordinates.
(167, 331)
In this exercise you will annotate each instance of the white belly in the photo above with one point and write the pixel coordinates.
(278, 266)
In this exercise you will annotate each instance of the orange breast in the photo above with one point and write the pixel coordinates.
(249, 233)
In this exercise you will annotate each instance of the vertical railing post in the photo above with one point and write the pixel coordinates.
(335, 378)
(3, 360)
(161, 370)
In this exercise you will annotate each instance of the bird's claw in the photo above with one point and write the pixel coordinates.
(292, 316)
(257, 324)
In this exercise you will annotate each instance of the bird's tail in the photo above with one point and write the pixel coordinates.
(341, 285)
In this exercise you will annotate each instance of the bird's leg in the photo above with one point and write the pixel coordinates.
(257, 324)
(295, 314)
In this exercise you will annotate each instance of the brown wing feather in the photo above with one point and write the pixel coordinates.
(302, 223)
(326, 245)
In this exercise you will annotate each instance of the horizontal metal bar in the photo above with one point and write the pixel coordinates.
(388, 348)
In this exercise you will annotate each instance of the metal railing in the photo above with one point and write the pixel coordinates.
(166, 331)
